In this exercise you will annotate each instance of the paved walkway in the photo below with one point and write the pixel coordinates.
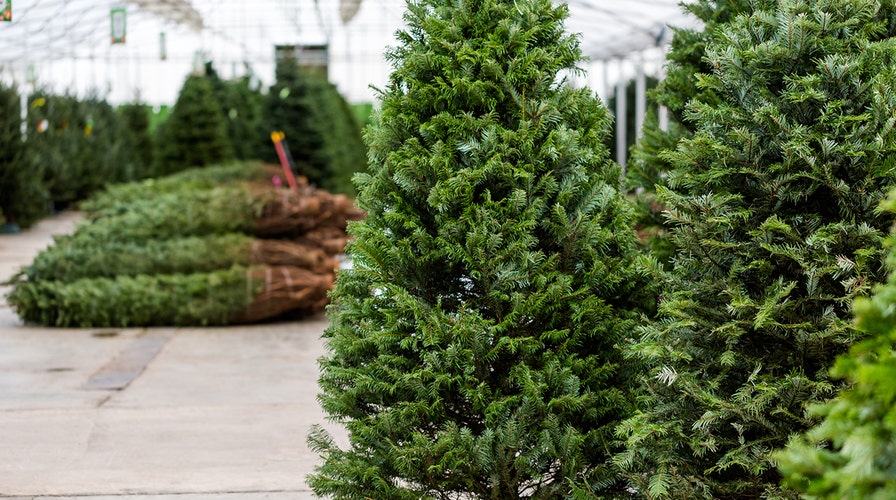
(153, 413)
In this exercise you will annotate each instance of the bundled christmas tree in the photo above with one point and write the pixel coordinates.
(473, 341)
(225, 296)
(774, 203)
(858, 426)
(201, 247)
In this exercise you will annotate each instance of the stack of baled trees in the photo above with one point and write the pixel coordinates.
(207, 246)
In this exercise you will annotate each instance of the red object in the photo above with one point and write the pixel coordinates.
(277, 137)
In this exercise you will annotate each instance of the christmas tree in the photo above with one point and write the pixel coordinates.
(774, 204)
(241, 103)
(648, 167)
(23, 197)
(473, 341)
(195, 134)
(138, 137)
(858, 425)
(321, 132)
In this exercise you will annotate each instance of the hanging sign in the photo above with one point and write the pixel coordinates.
(119, 24)
(6, 14)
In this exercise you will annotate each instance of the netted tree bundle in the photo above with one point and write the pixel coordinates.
(246, 208)
(75, 258)
(330, 240)
(289, 213)
(292, 254)
(119, 197)
(286, 291)
(196, 212)
(235, 295)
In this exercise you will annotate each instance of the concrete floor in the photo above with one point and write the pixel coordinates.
(153, 413)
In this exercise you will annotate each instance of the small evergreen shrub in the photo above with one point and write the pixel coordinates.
(774, 210)
(472, 345)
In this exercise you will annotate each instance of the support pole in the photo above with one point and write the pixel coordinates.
(640, 98)
(621, 124)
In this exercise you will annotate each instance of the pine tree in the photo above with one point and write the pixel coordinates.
(23, 197)
(648, 167)
(107, 156)
(321, 132)
(774, 203)
(241, 104)
(288, 108)
(685, 61)
(472, 343)
(858, 425)
(195, 134)
(55, 138)
(136, 123)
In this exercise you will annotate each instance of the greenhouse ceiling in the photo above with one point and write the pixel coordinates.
(68, 44)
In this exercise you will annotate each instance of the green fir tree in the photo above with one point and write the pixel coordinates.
(472, 348)
(135, 119)
(774, 209)
(647, 167)
(321, 131)
(851, 454)
(56, 128)
(241, 103)
(23, 196)
(195, 134)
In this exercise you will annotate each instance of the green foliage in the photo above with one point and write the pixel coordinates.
(472, 343)
(135, 118)
(851, 453)
(77, 145)
(119, 197)
(71, 259)
(23, 197)
(108, 155)
(180, 213)
(241, 105)
(321, 131)
(773, 204)
(195, 134)
(647, 167)
(199, 299)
